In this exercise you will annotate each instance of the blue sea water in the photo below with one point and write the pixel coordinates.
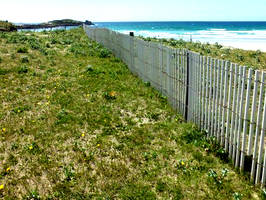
(246, 35)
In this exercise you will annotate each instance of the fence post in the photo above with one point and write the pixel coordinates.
(187, 87)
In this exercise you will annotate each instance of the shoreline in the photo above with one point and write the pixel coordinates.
(236, 43)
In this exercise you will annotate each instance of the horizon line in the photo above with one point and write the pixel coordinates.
(152, 21)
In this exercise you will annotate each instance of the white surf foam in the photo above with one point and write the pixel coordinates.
(249, 40)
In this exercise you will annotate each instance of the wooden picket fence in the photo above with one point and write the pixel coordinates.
(224, 99)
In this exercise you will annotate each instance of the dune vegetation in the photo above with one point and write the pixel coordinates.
(76, 124)
(249, 58)
(6, 26)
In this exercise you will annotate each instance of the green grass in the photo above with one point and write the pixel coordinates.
(249, 58)
(76, 124)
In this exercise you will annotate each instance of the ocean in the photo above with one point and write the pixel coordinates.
(245, 35)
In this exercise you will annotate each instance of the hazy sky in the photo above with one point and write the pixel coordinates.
(134, 10)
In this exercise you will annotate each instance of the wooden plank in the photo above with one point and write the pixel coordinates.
(240, 121)
(253, 108)
(216, 129)
(194, 113)
(182, 81)
(213, 100)
(210, 99)
(178, 79)
(233, 112)
(236, 119)
(202, 83)
(220, 107)
(174, 79)
(263, 130)
(196, 78)
(207, 96)
(199, 76)
(185, 74)
(225, 111)
(255, 151)
(188, 92)
(202, 89)
(261, 144)
(161, 67)
(192, 91)
(243, 149)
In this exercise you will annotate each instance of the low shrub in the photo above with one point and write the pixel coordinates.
(22, 50)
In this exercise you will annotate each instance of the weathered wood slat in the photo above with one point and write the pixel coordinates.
(243, 149)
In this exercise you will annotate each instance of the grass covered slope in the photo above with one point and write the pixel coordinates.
(76, 124)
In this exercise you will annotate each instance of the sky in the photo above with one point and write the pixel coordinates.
(135, 10)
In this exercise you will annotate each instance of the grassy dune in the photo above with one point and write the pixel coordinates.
(253, 59)
(76, 124)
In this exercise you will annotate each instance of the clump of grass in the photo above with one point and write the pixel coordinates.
(23, 69)
(22, 50)
(25, 59)
(217, 179)
(33, 195)
(104, 53)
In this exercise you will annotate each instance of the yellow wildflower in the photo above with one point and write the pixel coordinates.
(30, 147)
(98, 145)
(182, 163)
(18, 111)
(4, 129)
(112, 94)
(1, 186)
(83, 134)
(8, 169)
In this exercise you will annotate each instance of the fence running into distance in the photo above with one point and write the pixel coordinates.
(226, 100)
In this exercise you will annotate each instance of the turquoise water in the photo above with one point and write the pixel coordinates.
(247, 35)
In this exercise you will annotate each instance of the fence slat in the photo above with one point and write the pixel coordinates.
(220, 101)
(202, 92)
(252, 119)
(237, 114)
(210, 98)
(263, 130)
(214, 100)
(255, 151)
(240, 119)
(261, 144)
(224, 79)
(243, 149)
(233, 113)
